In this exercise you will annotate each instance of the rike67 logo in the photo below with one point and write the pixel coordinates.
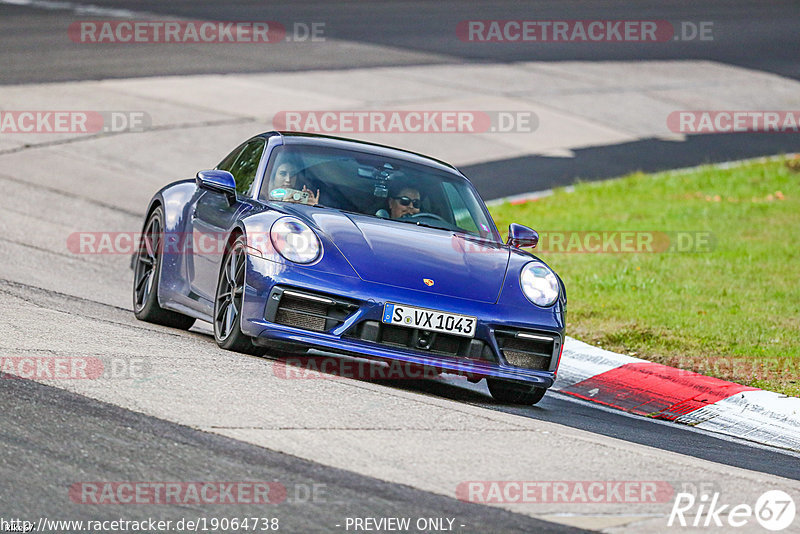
(774, 510)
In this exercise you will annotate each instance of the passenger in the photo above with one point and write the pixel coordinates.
(283, 188)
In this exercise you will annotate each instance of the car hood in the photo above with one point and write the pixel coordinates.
(406, 255)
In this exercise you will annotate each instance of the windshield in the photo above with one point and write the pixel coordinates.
(376, 186)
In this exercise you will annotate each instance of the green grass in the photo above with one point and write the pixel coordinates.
(732, 312)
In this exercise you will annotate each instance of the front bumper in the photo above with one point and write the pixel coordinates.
(265, 279)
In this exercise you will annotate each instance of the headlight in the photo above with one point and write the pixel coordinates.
(539, 283)
(294, 240)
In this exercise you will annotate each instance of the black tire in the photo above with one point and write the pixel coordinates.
(228, 302)
(147, 275)
(514, 392)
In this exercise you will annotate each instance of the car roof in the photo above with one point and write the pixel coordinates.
(290, 138)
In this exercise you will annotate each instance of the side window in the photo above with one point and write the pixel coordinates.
(244, 169)
(227, 163)
(461, 213)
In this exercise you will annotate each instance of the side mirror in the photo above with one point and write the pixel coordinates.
(521, 236)
(217, 181)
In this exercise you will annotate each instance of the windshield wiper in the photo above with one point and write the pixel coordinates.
(420, 223)
(431, 226)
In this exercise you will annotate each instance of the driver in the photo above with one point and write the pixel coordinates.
(405, 203)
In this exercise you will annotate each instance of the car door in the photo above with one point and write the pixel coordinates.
(213, 216)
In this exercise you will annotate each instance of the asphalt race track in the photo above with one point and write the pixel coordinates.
(173, 408)
(380, 36)
(419, 32)
(145, 447)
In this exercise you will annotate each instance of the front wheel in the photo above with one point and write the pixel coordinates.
(514, 392)
(147, 275)
(228, 301)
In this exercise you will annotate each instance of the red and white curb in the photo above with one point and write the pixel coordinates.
(654, 390)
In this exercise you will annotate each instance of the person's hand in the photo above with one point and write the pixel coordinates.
(313, 199)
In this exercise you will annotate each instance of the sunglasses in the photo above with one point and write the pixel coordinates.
(405, 201)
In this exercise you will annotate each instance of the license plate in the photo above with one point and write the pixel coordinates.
(436, 321)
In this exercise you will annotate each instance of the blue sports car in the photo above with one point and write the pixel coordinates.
(299, 241)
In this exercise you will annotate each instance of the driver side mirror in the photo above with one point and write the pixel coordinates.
(219, 182)
(521, 236)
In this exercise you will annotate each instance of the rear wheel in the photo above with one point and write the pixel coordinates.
(514, 392)
(228, 301)
(147, 275)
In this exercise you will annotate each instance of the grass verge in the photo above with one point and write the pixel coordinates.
(710, 280)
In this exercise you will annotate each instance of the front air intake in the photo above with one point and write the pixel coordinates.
(529, 350)
(307, 310)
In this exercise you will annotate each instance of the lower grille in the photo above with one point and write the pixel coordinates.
(302, 314)
(526, 360)
(306, 310)
(422, 340)
(395, 335)
(529, 350)
(447, 344)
